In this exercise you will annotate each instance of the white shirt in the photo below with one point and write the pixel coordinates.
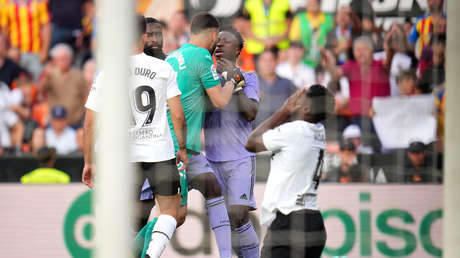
(302, 76)
(153, 81)
(399, 63)
(65, 143)
(298, 149)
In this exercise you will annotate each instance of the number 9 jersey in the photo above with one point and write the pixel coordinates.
(152, 82)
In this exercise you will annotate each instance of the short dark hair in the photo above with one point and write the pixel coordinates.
(409, 73)
(140, 25)
(322, 102)
(149, 20)
(237, 35)
(438, 38)
(203, 21)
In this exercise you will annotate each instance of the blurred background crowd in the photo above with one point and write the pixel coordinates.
(387, 75)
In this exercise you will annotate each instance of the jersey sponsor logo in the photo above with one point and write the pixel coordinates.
(144, 134)
(214, 72)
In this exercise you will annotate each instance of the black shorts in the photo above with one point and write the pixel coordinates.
(299, 234)
(163, 177)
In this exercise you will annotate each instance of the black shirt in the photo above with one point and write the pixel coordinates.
(10, 71)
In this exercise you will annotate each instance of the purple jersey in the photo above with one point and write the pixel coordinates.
(226, 131)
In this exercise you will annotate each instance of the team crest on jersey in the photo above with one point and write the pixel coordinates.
(214, 72)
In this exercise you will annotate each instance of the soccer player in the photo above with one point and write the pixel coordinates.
(196, 76)
(225, 133)
(154, 86)
(153, 45)
(297, 139)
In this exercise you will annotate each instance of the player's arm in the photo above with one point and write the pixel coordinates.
(246, 106)
(180, 128)
(88, 133)
(220, 96)
(255, 142)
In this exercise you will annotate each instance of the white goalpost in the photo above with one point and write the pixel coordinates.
(114, 30)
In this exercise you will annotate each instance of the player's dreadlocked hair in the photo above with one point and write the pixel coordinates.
(322, 102)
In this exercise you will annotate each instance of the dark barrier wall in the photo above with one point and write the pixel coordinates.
(12, 168)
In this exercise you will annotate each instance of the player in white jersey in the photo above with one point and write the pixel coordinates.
(297, 139)
(153, 88)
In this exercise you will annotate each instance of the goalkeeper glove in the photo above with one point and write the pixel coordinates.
(236, 77)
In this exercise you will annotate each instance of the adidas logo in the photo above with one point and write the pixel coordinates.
(243, 197)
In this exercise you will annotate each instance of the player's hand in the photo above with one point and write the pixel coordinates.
(87, 176)
(181, 156)
(236, 77)
(223, 64)
(291, 105)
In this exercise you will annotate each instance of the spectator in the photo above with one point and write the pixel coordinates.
(352, 133)
(419, 165)
(11, 128)
(311, 28)
(396, 58)
(425, 26)
(242, 24)
(9, 70)
(345, 167)
(339, 39)
(433, 76)
(270, 24)
(178, 29)
(21, 101)
(368, 79)
(274, 90)
(66, 21)
(64, 85)
(29, 32)
(46, 173)
(59, 135)
(294, 69)
(441, 117)
(89, 71)
(363, 14)
(407, 82)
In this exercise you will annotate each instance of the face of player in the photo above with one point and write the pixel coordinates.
(153, 45)
(227, 46)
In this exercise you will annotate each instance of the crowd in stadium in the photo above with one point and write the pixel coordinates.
(47, 68)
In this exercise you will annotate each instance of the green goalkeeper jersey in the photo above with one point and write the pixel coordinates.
(195, 73)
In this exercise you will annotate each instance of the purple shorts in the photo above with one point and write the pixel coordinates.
(237, 178)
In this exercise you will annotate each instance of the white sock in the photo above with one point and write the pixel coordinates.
(161, 234)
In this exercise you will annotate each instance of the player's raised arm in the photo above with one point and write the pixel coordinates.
(255, 141)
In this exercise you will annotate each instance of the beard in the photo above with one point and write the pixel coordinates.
(213, 48)
(154, 52)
